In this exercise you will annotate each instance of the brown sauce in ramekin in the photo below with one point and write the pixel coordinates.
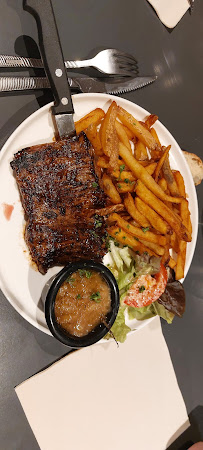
(82, 302)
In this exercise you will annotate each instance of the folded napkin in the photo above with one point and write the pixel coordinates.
(170, 11)
(104, 397)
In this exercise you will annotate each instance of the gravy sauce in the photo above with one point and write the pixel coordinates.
(82, 301)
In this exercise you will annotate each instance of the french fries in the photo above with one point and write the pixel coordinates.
(135, 213)
(124, 187)
(141, 173)
(170, 217)
(154, 219)
(94, 138)
(180, 183)
(181, 256)
(138, 232)
(137, 129)
(109, 137)
(121, 132)
(94, 116)
(140, 151)
(155, 136)
(150, 120)
(147, 203)
(127, 239)
(161, 162)
(168, 174)
(110, 189)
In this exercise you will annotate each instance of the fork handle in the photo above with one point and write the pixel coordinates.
(78, 64)
(52, 55)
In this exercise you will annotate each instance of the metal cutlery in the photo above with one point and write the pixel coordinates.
(52, 56)
(82, 84)
(109, 61)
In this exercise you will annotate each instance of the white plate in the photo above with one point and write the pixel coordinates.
(20, 283)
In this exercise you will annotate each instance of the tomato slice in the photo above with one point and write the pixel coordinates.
(146, 289)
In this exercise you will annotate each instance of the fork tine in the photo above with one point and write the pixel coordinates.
(128, 64)
(127, 58)
(120, 53)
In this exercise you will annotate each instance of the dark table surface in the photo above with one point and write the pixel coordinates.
(176, 56)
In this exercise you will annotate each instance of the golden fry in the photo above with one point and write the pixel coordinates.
(94, 116)
(126, 239)
(120, 129)
(181, 260)
(161, 162)
(180, 183)
(138, 232)
(155, 136)
(140, 172)
(166, 256)
(168, 175)
(129, 133)
(163, 184)
(109, 137)
(174, 242)
(140, 132)
(184, 212)
(123, 175)
(158, 249)
(123, 187)
(103, 162)
(150, 120)
(172, 263)
(133, 211)
(172, 219)
(181, 257)
(94, 138)
(155, 220)
(140, 151)
(151, 168)
(110, 189)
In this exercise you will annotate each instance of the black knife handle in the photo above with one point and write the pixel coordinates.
(51, 53)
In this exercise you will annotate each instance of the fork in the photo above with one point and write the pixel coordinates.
(109, 61)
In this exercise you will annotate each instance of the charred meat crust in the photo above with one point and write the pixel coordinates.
(60, 193)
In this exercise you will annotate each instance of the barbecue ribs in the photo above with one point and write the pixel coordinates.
(60, 192)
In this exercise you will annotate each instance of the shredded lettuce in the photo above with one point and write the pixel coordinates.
(126, 278)
(141, 313)
(119, 328)
(116, 256)
(125, 255)
(149, 311)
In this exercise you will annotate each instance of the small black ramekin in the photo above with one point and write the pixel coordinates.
(101, 330)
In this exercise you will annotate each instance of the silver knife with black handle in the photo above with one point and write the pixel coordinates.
(82, 84)
(53, 61)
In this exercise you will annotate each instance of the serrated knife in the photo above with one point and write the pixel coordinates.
(82, 84)
(53, 61)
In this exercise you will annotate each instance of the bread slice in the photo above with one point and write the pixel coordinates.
(195, 165)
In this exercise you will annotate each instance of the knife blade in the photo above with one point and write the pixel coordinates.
(83, 84)
(53, 61)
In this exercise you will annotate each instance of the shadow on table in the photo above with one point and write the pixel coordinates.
(193, 434)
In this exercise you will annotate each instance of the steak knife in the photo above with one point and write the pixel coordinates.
(82, 84)
(53, 61)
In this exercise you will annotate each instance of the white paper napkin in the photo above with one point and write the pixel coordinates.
(170, 11)
(104, 397)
